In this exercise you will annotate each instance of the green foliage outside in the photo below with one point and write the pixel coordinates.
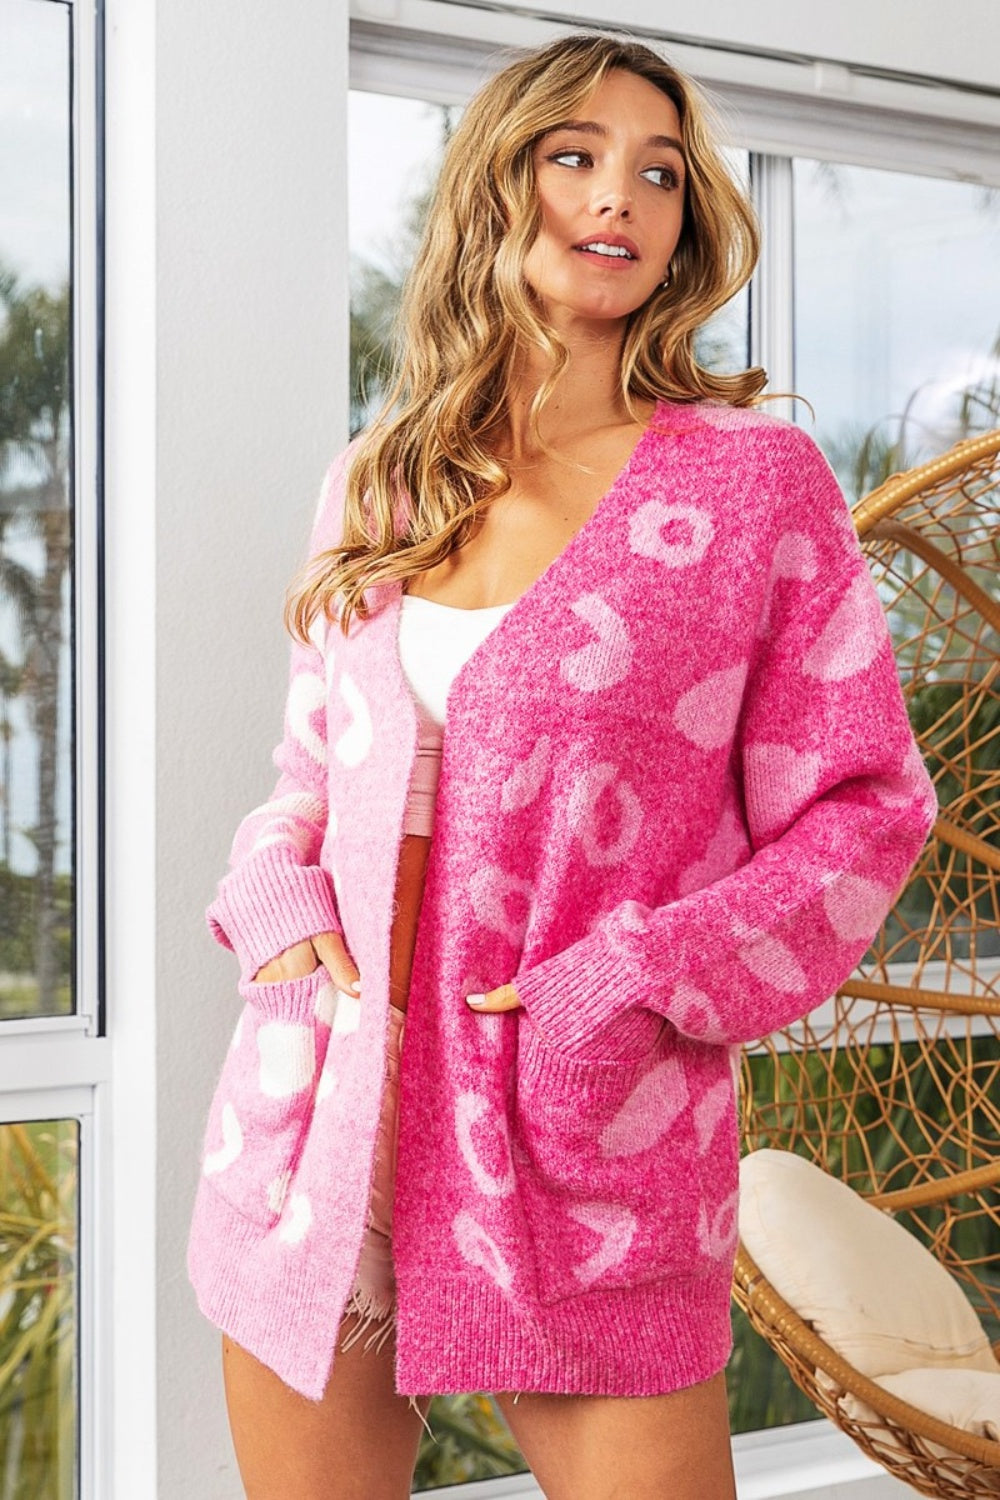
(19, 897)
(38, 1301)
(36, 522)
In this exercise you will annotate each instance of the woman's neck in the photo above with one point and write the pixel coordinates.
(587, 398)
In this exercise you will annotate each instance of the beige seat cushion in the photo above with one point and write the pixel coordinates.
(963, 1398)
(865, 1284)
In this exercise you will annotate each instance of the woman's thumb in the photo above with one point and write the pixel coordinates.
(333, 955)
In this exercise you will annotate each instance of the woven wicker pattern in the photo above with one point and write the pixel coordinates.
(894, 1087)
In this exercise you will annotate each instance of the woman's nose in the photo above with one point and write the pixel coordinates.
(612, 195)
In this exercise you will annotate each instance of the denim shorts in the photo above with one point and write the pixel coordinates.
(373, 1295)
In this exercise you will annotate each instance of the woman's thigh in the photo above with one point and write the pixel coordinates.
(673, 1447)
(360, 1442)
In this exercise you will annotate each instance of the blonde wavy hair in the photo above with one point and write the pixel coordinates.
(423, 472)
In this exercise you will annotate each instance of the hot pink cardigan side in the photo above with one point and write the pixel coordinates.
(679, 794)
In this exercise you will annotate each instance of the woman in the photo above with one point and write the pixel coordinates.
(677, 795)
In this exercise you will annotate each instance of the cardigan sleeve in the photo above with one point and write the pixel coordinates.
(275, 892)
(838, 805)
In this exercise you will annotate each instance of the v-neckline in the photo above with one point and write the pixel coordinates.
(517, 606)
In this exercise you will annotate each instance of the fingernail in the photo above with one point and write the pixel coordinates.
(355, 985)
(476, 999)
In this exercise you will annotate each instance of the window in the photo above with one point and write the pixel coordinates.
(36, 519)
(51, 1057)
(897, 314)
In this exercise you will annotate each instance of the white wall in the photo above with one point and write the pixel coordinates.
(251, 370)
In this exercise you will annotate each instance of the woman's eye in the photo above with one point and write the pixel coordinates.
(561, 155)
(669, 178)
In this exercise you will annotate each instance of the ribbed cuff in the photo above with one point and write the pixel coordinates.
(288, 999)
(581, 991)
(265, 906)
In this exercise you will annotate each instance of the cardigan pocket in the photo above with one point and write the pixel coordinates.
(605, 1157)
(263, 1101)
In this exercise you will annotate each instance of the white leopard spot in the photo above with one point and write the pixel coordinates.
(692, 1012)
(237, 1036)
(287, 1058)
(605, 661)
(616, 1226)
(648, 1112)
(327, 1082)
(710, 1110)
(717, 1236)
(794, 560)
(319, 627)
(696, 529)
(724, 852)
(302, 805)
(232, 1144)
(490, 891)
(779, 780)
(325, 1005)
(525, 781)
(633, 916)
(852, 637)
(287, 832)
(855, 907)
(470, 1109)
(306, 696)
(347, 1016)
(588, 787)
(276, 1190)
(898, 790)
(479, 1249)
(297, 1220)
(355, 742)
(706, 714)
(774, 963)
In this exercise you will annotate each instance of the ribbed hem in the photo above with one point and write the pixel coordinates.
(282, 1309)
(456, 1336)
(266, 905)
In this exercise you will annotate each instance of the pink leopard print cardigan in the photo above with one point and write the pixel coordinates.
(679, 794)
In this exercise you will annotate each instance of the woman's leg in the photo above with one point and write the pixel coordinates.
(626, 1447)
(360, 1442)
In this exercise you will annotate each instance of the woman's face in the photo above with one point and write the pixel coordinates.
(613, 178)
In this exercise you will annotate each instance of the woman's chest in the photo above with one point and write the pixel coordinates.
(526, 529)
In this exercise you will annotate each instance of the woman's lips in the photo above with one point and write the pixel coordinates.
(615, 262)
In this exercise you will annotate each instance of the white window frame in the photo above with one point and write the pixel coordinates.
(58, 1067)
(440, 51)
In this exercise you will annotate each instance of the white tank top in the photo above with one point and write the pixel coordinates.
(435, 640)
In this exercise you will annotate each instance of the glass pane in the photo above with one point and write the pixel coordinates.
(897, 315)
(38, 1310)
(36, 525)
(395, 150)
(723, 343)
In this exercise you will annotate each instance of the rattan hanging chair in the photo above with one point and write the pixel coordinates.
(893, 1086)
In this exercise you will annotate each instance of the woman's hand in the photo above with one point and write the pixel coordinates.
(326, 948)
(505, 998)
